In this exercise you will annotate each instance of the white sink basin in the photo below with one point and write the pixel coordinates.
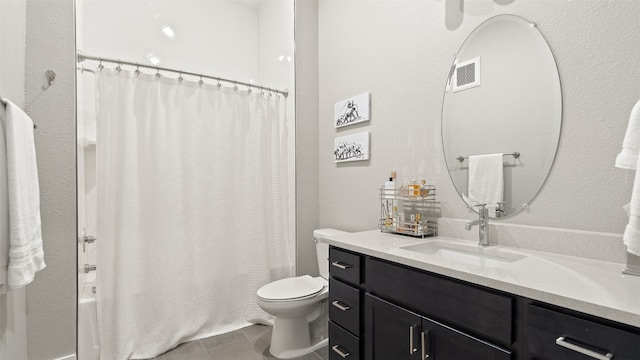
(488, 257)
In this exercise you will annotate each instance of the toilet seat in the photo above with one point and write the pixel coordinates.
(292, 289)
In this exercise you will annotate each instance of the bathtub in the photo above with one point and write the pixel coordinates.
(88, 341)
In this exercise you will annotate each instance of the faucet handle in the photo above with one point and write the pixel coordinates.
(500, 209)
(483, 210)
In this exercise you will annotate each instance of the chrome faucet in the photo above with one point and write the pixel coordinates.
(483, 225)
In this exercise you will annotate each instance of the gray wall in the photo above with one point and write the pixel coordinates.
(306, 37)
(51, 298)
(13, 315)
(401, 52)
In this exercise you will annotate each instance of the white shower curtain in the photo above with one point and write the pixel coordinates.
(192, 209)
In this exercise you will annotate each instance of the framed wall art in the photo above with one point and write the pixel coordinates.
(353, 147)
(352, 111)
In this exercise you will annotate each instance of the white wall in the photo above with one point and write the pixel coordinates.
(46, 29)
(218, 38)
(13, 312)
(212, 37)
(401, 52)
(12, 42)
(306, 133)
(51, 298)
(276, 69)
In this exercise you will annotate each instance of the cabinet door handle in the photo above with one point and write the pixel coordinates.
(562, 341)
(339, 351)
(340, 306)
(424, 336)
(412, 349)
(340, 265)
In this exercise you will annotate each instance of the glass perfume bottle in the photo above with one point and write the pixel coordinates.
(424, 189)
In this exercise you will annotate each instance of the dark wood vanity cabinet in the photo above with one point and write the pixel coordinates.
(392, 332)
(344, 305)
(412, 314)
(462, 305)
(555, 334)
(380, 310)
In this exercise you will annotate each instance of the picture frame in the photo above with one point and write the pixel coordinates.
(354, 147)
(351, 111)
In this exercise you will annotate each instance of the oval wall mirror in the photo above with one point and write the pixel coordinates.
(502, 96)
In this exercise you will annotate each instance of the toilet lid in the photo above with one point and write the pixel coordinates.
(292, 288)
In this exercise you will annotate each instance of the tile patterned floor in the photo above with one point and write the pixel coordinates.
(250, 343)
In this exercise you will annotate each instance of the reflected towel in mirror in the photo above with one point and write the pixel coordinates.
(628, 159)
(486, 181)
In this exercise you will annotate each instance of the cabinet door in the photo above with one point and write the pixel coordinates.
(391, 333)
(445, 343)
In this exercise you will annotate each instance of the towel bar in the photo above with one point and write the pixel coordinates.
(515, 155)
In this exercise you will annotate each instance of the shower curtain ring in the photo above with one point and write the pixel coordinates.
(137, 70)
(100, 66)
(249, 89)
(219, 84)
(158, 74)
(201, 82)
(180, 77)
(118, 68)
(235, 86)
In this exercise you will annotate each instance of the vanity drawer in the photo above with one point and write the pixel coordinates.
(555, 335)
(342, 344)
(344, 306)
(479, 311)
(344, 265)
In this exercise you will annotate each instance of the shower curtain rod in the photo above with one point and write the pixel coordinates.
(83, 57)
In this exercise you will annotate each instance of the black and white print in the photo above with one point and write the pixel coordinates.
(352, 111)
(351, 147)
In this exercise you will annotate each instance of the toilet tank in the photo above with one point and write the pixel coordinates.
(322, 249)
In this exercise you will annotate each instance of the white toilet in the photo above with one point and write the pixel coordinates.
(299, 305)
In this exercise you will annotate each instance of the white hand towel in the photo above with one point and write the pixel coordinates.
(26, 256)
(628, 157)
(486, 180)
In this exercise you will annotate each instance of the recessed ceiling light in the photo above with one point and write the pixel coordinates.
(155, 60)
(168, 32)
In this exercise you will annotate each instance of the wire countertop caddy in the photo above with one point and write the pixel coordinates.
(409, 211)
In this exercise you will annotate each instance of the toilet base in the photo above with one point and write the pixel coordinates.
(308, 336)
(290, 354)
(285, 346)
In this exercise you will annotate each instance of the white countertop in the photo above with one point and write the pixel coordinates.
(589, 286)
